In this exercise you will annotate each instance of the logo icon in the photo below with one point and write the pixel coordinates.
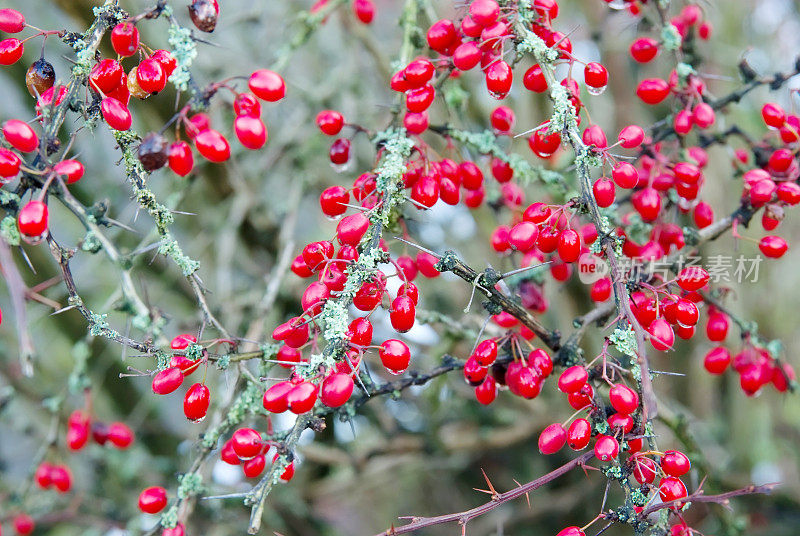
(591, 268)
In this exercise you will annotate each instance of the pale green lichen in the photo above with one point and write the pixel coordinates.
(91, 243)
(624, 340)
(170, 248)
(671, 37)
(169, 519)
(184, 50)
(10, 231)
(190, 485)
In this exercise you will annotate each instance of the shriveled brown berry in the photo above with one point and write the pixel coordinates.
(153, 152)
(204, 14)
(40, 77)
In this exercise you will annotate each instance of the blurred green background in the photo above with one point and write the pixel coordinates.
(421, 454)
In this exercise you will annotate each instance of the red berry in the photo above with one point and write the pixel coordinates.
(402, 313)
(773, 246)
(61, 478)
(499, 78)
(71, 169)
(196, 401)
(502, 119)
(441, 35)
(486, 392)
(623, 399)
(394, 355)
(644, 470)
(552, 439)
(302, 397)
(330, 122)
(569, 245)
(274, 399)
(652, 90)
(606, 448)
(661, 335)
(351, 229)
(340, 152)
(125, 39)
(180, 158)
(107, 75)
(671, 488)
(152, 500)
(11, 21)
(571, 531)
(267, 85)
(484, 12)
(364, 10)
(32, 219)
(247, 443)
(692, 278)
(604, 192)
(717, 359)
(625, 175)
(150, 76)
(251, 131)
(774, 116)
(534, 80)
(212, 145)
(20, 135)
(120, 435)
(167, 381)
(595, 76)
(675, 463)
(717, 327)
(253, 467)
(579, 434)
(9, 163)
(336, 390)
(116, 114)
(572, 379)
(23, 524)
(467, 55)
(644, 49)
(486, 352)
(11, 50)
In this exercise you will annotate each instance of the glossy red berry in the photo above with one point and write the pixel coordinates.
(569, 245)
(330, 122)
(571, 531)
(625, 175)
(274, 399)
(246, 443)
(125, 39)
(442, 35)
(604, 192)
(486, 392)
(572, 379)
(302, 397)
(773, 246)
(336, 390)
(180, 158)
(579, 434)
(72, 170)
(250, 131)
(152, 500)
(606, 448)
(61, 478)
(499, 78)
(267, 85)
(644, 49)
(20, 135)
(661, 335)
(32, 219)
(486, 352)
(773, 114)
(9, 163)
(671, 488)
(623, 398)
(717, 327)
(196, 401)
(116, 114)
(106, 75)
(212, 146)
(395, 356)
(253, 467)
(11, 21)
(11, 50)
(717, 359)
(652, 90)
(595, 76)
(150, 76)
(552, 439)
(402, 313)
(167, 381)
(675, 463)
(692, 278)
